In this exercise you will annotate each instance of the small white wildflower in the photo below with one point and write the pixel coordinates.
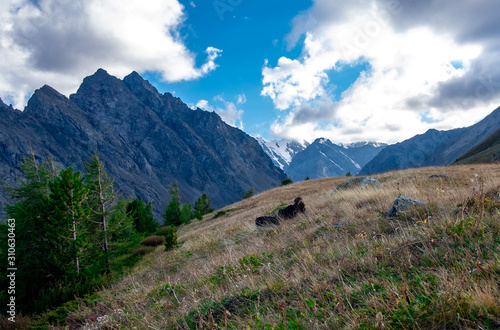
(102, 319)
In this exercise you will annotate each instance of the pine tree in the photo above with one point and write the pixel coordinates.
(202, 206)
(67, 195)
(187, 214)
(172, 213)
(100, 199)
(142, 216)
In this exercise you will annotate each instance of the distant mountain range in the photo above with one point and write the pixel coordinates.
(488, 151)
(146, 139)
(325, 159)
(322, 158)
(433, 148)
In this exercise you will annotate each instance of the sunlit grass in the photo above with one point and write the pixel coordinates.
(343, 264)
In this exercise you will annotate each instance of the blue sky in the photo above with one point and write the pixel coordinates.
(248, 33)
(364, 70)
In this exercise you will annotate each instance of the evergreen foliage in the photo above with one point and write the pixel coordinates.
(249, 193)
(69, 221)
(69, 230)
(187, 214)
(202, 206)
(286, 182)
(172, 213)
(170, 234)
(99, 202)
(142, 216)
(35, 271)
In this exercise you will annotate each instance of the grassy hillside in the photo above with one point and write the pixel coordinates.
(487, 151)
(341, 265)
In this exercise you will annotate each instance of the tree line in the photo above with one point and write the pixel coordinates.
(73, 231)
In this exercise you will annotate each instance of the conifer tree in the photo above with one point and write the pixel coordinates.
(100, 199)
(172, 213)
(202, 206)
(186, 214)
(142, 216)
(35, 271)
(69, 218)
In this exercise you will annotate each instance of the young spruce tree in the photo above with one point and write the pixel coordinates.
(202, 206)
(172, 213)
(142, 216)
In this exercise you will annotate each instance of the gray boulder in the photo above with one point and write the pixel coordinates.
(362, 182)
(403, 203)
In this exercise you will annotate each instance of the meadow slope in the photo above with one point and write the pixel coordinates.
(343, 264)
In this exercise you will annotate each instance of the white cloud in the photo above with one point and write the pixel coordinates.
(59, 42)
(242, 99)
(228, 111)
(411, 85)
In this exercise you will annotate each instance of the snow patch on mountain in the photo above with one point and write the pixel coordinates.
(281, 152)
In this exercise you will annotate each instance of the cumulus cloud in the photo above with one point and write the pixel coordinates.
(59, 42)
(228, 111)
(427, 69)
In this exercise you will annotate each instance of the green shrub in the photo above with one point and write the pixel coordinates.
(154, 240)
(162, 231)
(287, 181)
(170, 237)
(249, 193)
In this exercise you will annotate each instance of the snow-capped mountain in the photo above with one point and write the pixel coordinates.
(281, 152)
(325, 159)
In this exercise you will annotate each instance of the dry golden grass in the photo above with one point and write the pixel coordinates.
(342, 264)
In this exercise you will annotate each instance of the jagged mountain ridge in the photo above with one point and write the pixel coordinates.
(433, 148)
(281, 152)
(146, 139)
(325, 159)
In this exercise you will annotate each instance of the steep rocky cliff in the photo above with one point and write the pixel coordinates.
(146, 139)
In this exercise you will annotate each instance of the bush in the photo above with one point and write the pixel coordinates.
(249, 193)
(286, 182)
(143, 250)
(162, 231)
(170, 237)
(154, 240)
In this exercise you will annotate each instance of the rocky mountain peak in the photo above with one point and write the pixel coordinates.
(144, 91)
(105, 94)
(147, 141)
(45, 102)
(3, 105)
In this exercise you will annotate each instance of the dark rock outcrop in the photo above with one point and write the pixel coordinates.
(146, 139)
